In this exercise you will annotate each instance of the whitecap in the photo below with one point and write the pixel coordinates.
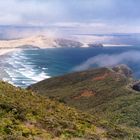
(22, 71)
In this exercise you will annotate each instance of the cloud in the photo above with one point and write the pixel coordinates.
(110, 60)
(79, 24)
(95, 27)
(71, 11)
(95, 15)
(31, 12)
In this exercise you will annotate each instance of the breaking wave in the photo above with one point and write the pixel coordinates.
(22, 72)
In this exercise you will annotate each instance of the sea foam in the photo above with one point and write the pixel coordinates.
(22, 72)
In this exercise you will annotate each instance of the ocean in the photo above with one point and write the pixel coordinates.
(25, 67)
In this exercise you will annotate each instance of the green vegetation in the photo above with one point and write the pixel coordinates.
(25, 115)
(104, 93)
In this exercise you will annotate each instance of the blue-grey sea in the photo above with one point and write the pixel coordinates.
(30, 66)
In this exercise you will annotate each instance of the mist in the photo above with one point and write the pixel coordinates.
(105, 60)
(15, 32)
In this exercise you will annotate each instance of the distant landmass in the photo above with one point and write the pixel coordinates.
(43, 42)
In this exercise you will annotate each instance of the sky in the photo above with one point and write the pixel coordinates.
(100, 16)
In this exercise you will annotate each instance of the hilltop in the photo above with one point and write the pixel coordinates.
(103, 92)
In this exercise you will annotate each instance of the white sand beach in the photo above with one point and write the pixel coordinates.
(5, 51)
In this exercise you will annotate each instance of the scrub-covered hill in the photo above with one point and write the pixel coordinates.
(103, 92)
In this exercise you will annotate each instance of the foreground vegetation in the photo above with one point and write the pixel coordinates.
(27, 116)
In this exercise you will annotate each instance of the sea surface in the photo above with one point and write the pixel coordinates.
(25, 67)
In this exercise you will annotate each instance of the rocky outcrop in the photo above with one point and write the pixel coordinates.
(95, 45)
(136, 86)
(67, 43)
(123, 70)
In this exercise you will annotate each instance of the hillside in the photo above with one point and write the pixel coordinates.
(27, 116)
(104, 92)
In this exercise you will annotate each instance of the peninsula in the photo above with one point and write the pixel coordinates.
(41, 42)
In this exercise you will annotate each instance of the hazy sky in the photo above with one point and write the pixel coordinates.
(100, 15)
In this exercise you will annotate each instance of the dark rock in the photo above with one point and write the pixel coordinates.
(95, 45)
(68, 43)
(136, 86)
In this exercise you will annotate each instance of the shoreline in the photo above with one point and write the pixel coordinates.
(3, 74)
(6, 51)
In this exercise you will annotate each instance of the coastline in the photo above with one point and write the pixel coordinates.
(44, 42)
(4, 76)
(6, 51)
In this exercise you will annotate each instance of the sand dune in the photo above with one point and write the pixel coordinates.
(40, 41)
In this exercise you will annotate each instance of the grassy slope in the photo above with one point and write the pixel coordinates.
(25, 115)
(100, 92)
